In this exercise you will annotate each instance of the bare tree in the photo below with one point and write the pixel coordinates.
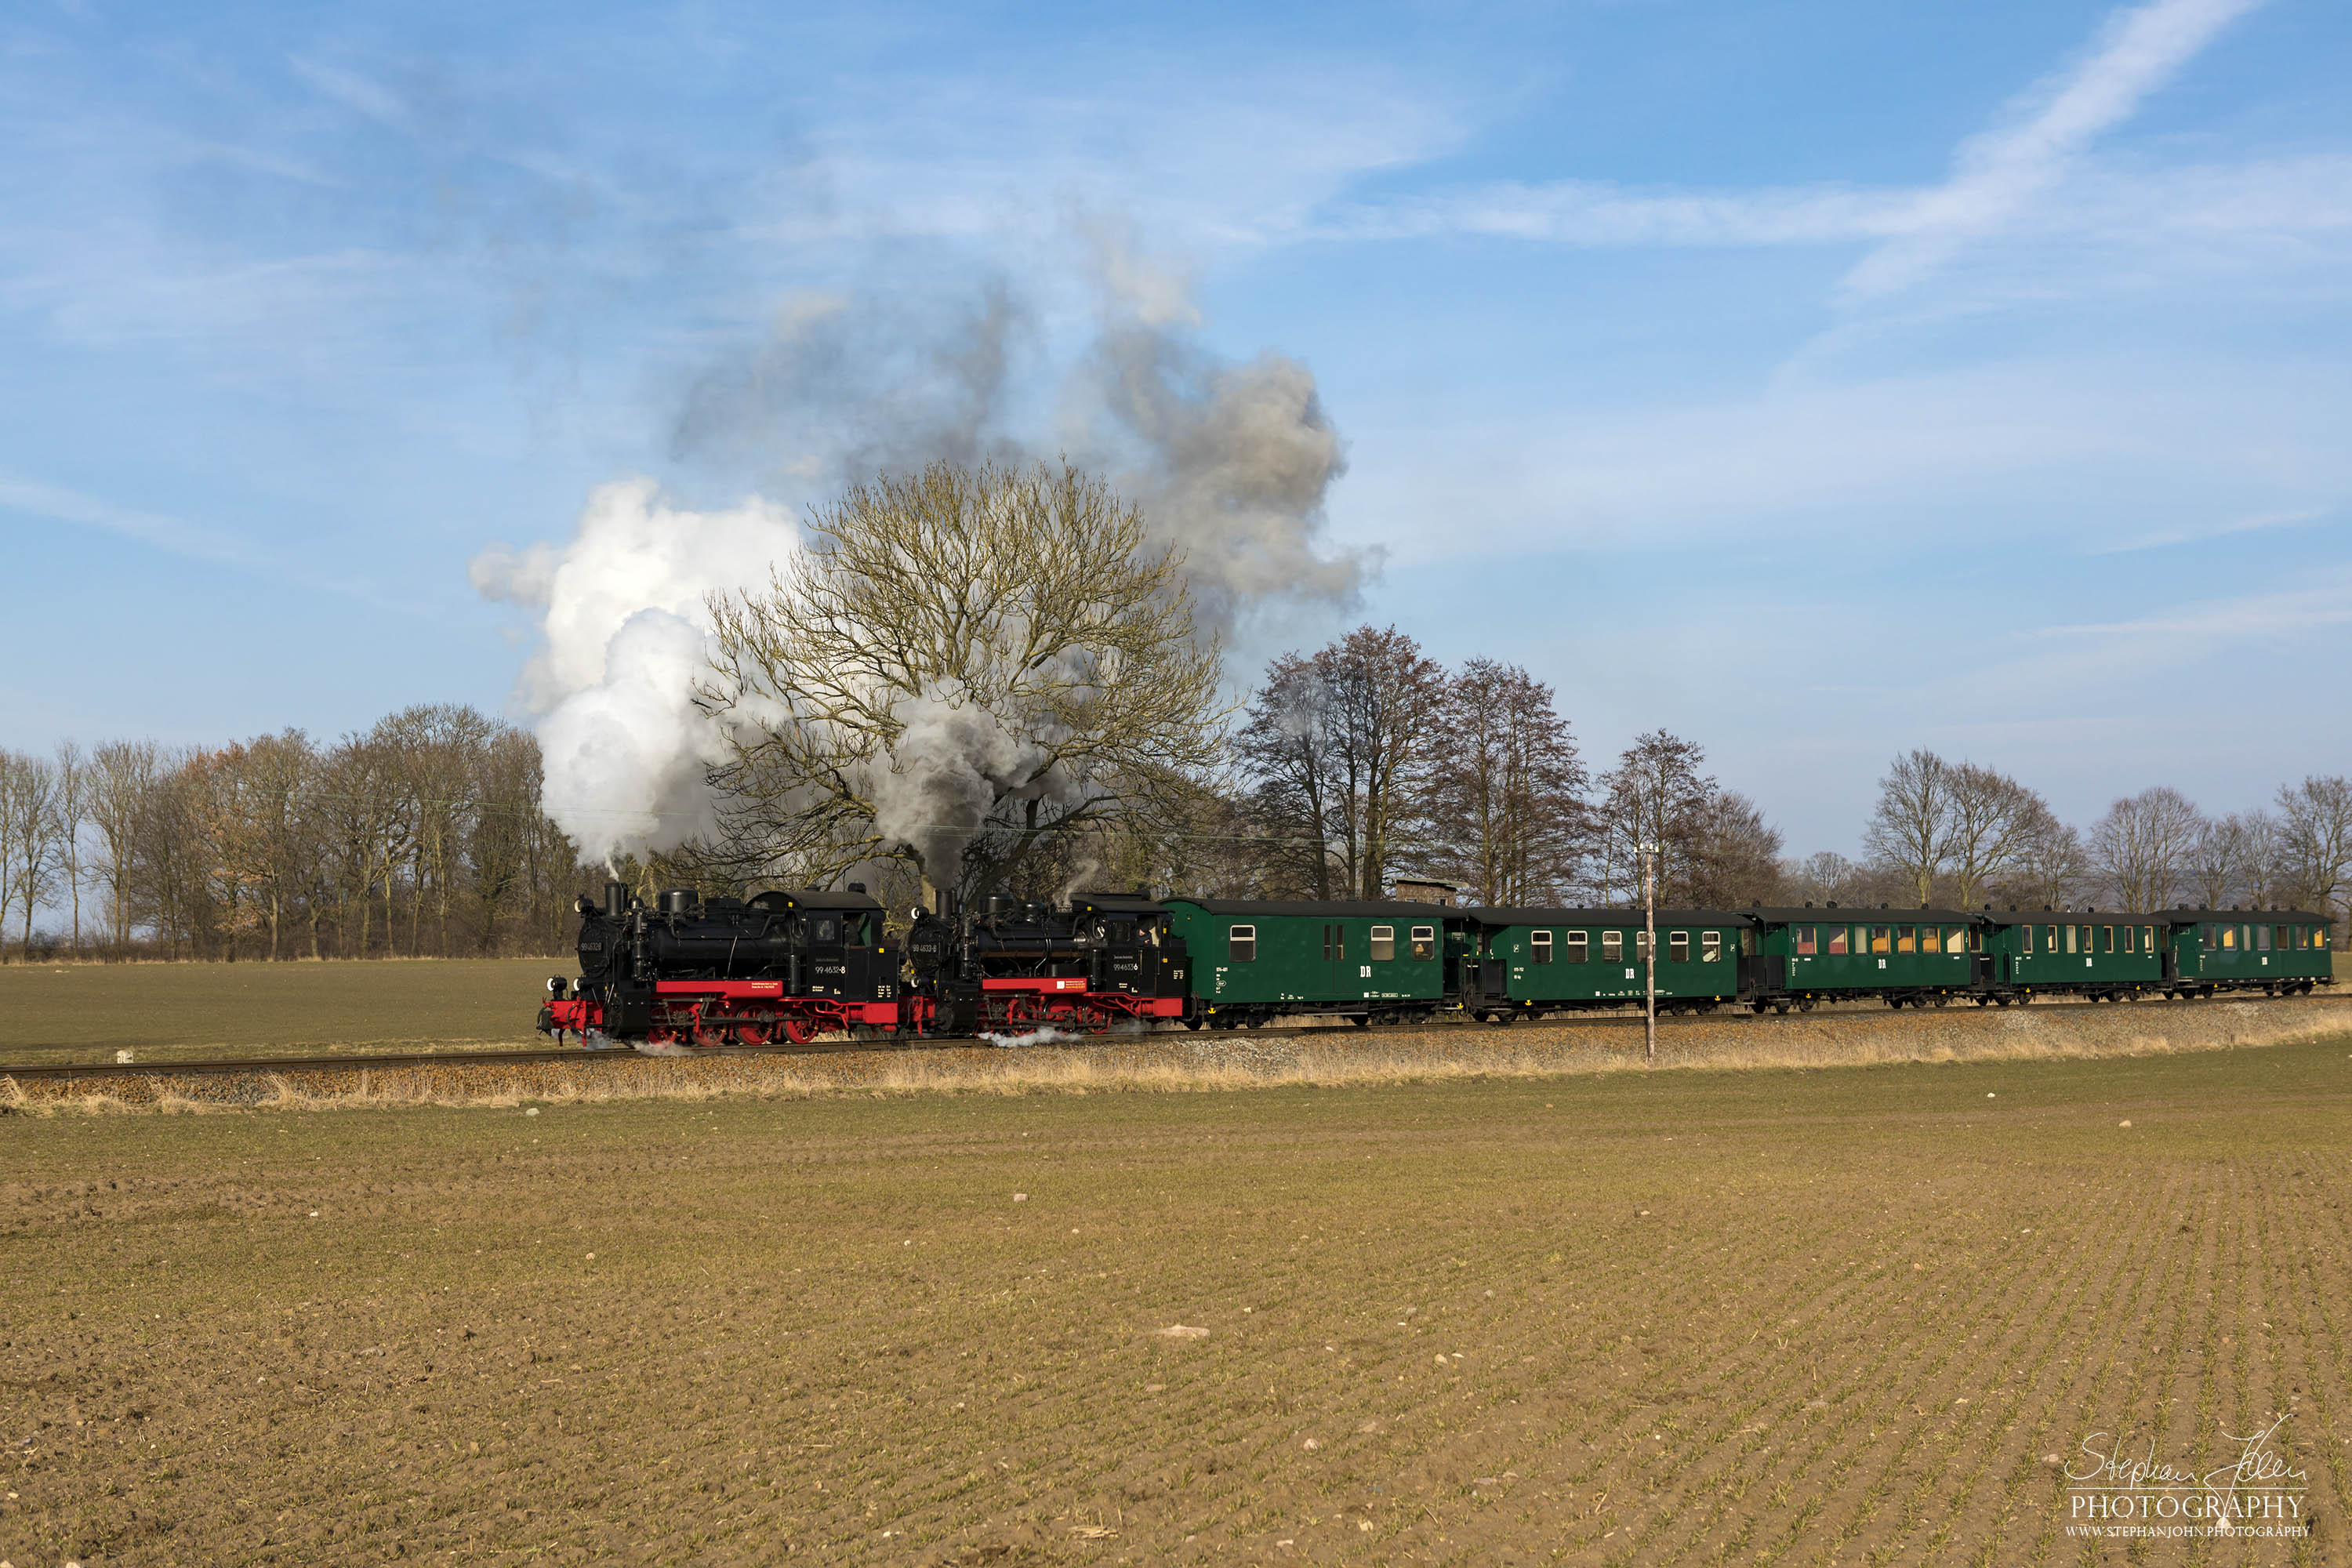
(28, 837)
(959, 650)
(1989, 823)
(2316, 834)
(73, 816)
(1286, 748)
(1911, 829)
(1736, 855)
(2215, 867)
(122, 774)
(2138, 849)
(1384, 697)
(1655, 794)
(1508, 787)
(2050, 865)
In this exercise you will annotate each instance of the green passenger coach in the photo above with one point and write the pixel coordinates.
(2103, 954)
(1256, 961)
(2272, 950)
(1921, 957)
(1525, 962)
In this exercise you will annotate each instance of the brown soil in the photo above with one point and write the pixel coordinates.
(1611, 1318)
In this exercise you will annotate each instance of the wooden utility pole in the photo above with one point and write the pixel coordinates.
(1649, 954)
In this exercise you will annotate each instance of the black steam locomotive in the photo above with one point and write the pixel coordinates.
(796, 965)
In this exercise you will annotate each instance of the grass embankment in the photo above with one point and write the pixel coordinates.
(1693, 1317)
(86, 1012)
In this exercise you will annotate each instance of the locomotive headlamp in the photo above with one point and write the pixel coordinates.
(557, 985)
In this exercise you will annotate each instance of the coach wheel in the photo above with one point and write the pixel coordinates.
(1806, 1006)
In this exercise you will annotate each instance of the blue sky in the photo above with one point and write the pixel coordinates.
(1817, 381)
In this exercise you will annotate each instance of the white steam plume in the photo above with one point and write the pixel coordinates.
(626, 642)
(1230, 461)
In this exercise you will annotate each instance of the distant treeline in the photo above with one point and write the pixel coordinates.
(422, 837)
(1349, 769)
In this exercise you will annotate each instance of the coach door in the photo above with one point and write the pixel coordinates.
(1338, 980)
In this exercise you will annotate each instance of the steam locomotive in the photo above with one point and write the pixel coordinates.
(794, 965)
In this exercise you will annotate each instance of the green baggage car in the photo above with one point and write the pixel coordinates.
(1528, 962)
(1256, 961)
(2277, 951)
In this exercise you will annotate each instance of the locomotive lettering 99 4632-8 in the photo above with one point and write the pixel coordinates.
(791, 965)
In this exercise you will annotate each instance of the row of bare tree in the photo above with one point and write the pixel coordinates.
(1367, 761)
(1959, 835)
(421, 835)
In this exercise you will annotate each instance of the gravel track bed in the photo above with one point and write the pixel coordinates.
(1177, 1060)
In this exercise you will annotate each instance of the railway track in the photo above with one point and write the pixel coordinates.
(349, 1063)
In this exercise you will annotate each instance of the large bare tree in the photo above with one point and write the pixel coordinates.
(962, 651)
(1911, 827)
(1507, 813)
(2140, 845)
(1655, 794)
(2315, 830)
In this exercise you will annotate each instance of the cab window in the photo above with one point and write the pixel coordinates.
(1806, 946)
(1539, 943)
(826, 933)
(1678, 947)
(1241, 945)
(1613, 946)
(1837, 941)
(1383, 944)
(1425, 942)
(1576, 944)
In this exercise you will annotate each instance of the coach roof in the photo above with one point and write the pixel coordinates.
(1857, 914)
(1531, 915)
(1270, 909)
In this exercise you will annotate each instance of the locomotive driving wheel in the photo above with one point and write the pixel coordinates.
(800, 1031)
(754, 1032)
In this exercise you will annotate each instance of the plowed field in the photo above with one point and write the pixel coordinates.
(1867, 1314)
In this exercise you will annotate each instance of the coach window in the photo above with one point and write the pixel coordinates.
(2229, 938)
(2071, 932)
(1837, 941)
(1612, 947)
(1710, 946)
(1425, 942)
(1806, 946)
(2127, 939)
(2106, 939)
(2263, 939)
(1241, 946)
(1641, 947)
(1678, 947)
(2049, 940)
(1881, 939)
(2147, 939)
(1906, 940)
(1541, 942)
(1384, 945)
(2025, 945)
(1576, 946)
(2206, 938)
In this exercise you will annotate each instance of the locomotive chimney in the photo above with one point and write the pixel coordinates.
(616, 900)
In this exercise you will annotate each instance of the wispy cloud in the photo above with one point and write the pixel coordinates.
(1998, 182)
(2326, 602)
(1996, 172)
(2192, 533)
